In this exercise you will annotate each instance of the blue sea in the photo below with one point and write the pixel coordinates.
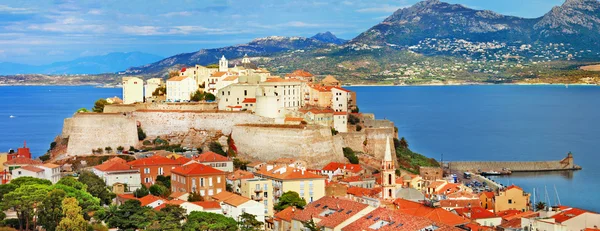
(498, 122)
(503, 123)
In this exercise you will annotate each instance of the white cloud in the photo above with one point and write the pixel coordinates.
(15, 10)
(95, 12)
(55, 52)
(380, 9)
(141, 30)
(299, 24)
(178, 14)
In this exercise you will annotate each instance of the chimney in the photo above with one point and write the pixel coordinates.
(302, 171)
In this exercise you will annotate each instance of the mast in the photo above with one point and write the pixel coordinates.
(547, 197)
(557, 197)
(534, 205)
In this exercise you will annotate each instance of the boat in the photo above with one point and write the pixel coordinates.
(491, 173)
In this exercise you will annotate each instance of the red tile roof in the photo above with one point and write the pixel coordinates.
(230, 198)
(218, 74)
(474, 226)
(127, 196)
(152, 161)
(382, 219)
(287, 173)
(231, 78)
(22, 161)
(521, 215)
(210, 157)
(32, 168)
(183, 160)
(340, 113)
(196, 169)
(148, 199)
(448, 189)
(460, 203)
(338, 210)
(475, 213)
(208, 204)
(356, 179)
(113, 165)
(567, 214)
(488, 194)
(293, 119)
(360, 192)
(514, 186)
(508, 213)
(171, 202)
(177, 78)
(342, 89)
(249, 100)
(240, 174)
(436, 214)
(332, 166)
(286, 214)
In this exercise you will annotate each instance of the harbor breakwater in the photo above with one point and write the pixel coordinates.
(566, 163)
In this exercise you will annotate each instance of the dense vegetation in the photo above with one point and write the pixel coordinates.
(409, 160)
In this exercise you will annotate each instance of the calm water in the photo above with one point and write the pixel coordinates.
(502, 123)
(462, 123)
(39, 112)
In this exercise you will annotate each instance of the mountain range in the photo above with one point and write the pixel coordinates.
(109, 63)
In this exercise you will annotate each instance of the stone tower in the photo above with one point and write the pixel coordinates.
(245, 60)
(388, 173)
(223, 64)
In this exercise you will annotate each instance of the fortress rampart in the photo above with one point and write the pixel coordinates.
(87, 131)
(195, 106)
(516, 166)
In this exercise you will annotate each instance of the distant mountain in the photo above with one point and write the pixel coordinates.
(435, 19)
(576, 22)
(109, 63)
(258, 47)
(328, 37)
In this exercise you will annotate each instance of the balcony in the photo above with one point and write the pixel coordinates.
(257, 197)
(258, 190)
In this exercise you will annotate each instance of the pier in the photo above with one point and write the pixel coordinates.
(566, 164)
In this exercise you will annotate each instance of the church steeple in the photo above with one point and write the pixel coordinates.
(223, 64)
(388, 173)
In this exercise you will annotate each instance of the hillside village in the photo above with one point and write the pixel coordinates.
(278, 152)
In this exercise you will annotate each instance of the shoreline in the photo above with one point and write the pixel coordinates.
(99, 85)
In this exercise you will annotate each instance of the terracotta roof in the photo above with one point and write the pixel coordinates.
(321, 88)
(356, 179)
(436, 184)
(360, 192)
(249, 100)
(208, 204)
(255, 163)
(210, 157)
(32, 168)
(218, 74)
(148, 199)
(240, 174)
(295, 119)
(196, 169)
(517, 216)
(50, 165)
(342, 89)
(514, 186)
(113, 165)
(460, 203)
(279, 80)
(317, 111)
(177, 78)
(449, 188)
(287, 173)
(22, 161)
(332, 166)
(382, 219)
(183, 160)
(436, 214)
(286, 214)
(171, 202)
(300, 73)
(177, 194)
(230, 78)
(567, 214)
(153, 160)
(331, 211)
(127, 196)
(340, 113)
(474, 226)
(488, 194)
(329, 79)
(230, 198)
(508, 213)
(475, 213)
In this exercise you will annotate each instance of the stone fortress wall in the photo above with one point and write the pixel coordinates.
(192, 106)
(516, 166)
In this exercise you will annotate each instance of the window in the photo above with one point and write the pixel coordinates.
(160, 171)
(147, 179)
(218, 180)
(219, 190)
(510, 201)
(201, 182)
(147, 170)
(210, 192)
(193, 182)
(202, 192)
(245, 92)
(210, 182)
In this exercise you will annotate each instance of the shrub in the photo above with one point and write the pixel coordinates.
(146, 142)
(355, 109)
(350, 155)
(352, 119)
(209, 97)
(108, 150)
(141, 133)
(334, 132)
(358, 128)
(216, 147)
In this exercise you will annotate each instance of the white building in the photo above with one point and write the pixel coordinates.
(115, 171)
(199, 73)
(339, 100)
(180, 88)
(49, 172)
(151, 85)
(562, 218)
(276, 97)
(234, 206)
(223, 64)
(133, 90)
(340, 121)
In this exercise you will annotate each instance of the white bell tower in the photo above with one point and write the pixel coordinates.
(223, 64)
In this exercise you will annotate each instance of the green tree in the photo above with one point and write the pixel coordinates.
(350, 155)
(131, 216)
(27, 180)
(290, 198)
(72, 220)
(50, 210)
(82, 110)
(99, 105)
(141, 133)
(159, 190)
(240, 164)
(6, 188)
(209, 97)
(216, 147)
(96, 186)
(160, 91)
(108, 150)
(209, 221)
(355, 109)
(170, 217)
(403, 143)
(141, 192)
(352, 119)
(248, 222)
(193, 196)
(120, 149)
(71, 181)
(164, 180)
(540, 205)
(87, 202)
(105, 213)
(310, 225)
(197, 96)
(23, 201)
(213, 65)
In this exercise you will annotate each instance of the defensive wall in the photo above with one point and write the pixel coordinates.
(313, 144)
(87, 131)
(516, 166)
(192, 106)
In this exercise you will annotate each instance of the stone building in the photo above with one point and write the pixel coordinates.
(198, 178)
(133, 90)
(180, 88)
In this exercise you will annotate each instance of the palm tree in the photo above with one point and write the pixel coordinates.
(540, 205)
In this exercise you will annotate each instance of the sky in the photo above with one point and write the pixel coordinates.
(42, 32)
